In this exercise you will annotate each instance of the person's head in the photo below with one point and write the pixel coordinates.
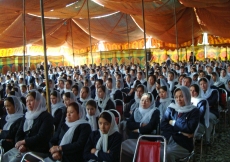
(68, 98)
(181, 77)
(99, 82)
(128, 78)
(84, 93)
(203, 82)
(163, 92)
(35, 100)
(31, 86)
(201, 74)
(146, 100)
(87, 83)
(139, 75)
(194, 90)
(170, 76)
(109, 83)
(152, 79)
(223, 73)
(228, 83)
(187, 81)
(23, 88)
(195, 77)
(140, 90)
(61, 84)
(91, 107)
(75, 90)
(118, 84)
(182, 96)
(215, 76)
(43, 93)
(68, 84)
(105, 121)
(55, 97)
(101, 92)
(72, 114)
(9, 105)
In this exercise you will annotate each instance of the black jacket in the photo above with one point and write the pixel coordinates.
(109, 105)
(114, 146)
(148, 129)
(9, 134)
(38, 137)
(186, 123)
(57, 117)
(73, 151)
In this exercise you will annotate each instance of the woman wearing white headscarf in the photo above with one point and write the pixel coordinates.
(10, 123)
(92, 114)
(145, 118)
(104, 144)
(212, 96)
(85, 95)
(69, 141)
(202, 105)
(104, 102)
(216, 80)
(57, 107)
(223, 76)
(151, 85)
(35, 130)
(179, 124)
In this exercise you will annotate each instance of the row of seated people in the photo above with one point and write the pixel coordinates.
(144, 119)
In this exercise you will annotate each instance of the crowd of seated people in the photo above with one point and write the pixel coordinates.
(174, 101)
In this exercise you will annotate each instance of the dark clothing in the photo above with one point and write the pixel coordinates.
(9, 134)
(118, 95)
(97, 118)
(73, 151)
(38, 137)
(127, 109)
(93, 93)
(202, 107)
(109, 105)
(187, 123)
(114, 146)
(57, 117)
(30, 80)
(147, 129)
(213, 103)
(154, 93)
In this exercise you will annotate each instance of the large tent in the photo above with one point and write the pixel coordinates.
(114, 21)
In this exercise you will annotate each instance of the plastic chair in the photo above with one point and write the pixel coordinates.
(224, 104)
(119, 106)
(117, 116)
(149, 150)
(33, 156)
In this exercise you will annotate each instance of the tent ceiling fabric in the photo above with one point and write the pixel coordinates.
(109, 23)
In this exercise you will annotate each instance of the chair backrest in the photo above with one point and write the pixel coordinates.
(119, 106)
(223, 97)
(149, 151)
(117, 116)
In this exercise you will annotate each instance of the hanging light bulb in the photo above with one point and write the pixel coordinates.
(205, 39)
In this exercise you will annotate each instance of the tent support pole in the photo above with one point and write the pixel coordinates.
(72, 42)
(127, 31)
(146, 54)
(175, 21)
(45, 56)
(90, 38)
(24, 40)
(192, 39)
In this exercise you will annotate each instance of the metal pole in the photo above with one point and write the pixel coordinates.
(45, 56)
(72, 41)
(90, 38)
(175, 19)
(192, 40)
(24, 40)
(127, 31)
(146, 55)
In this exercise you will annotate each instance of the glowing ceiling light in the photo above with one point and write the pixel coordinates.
(68, 5)
(44, 16)
(97, 17)
(98, 3)
(52, 10)
(137, 24)
(205, 39)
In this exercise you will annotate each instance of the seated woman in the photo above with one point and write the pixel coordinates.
(116, 92)
(57, 107)
(216, 80)
(212, 96)
(10, 123)
(165, 100)
(134, 103)
(35, 130)
(151, 85)
(92, 114)
(202, 105)
(104, 144)
(104, 102)
(145, 118)
(179, 124)
(68, 142)
(85, 96)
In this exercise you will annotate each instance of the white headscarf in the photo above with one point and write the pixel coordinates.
(217, 83)
(103, 102)
(102, 142)
(208, 92)
(137, 100)
(226, 85)
(92, 119)
(224, 79)
(150, 88)
(58, 105)
(84, 101)
(11, 118)
(187, 98)
(68, 136)
(196, 100)
(39, 107)
(144, 115)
